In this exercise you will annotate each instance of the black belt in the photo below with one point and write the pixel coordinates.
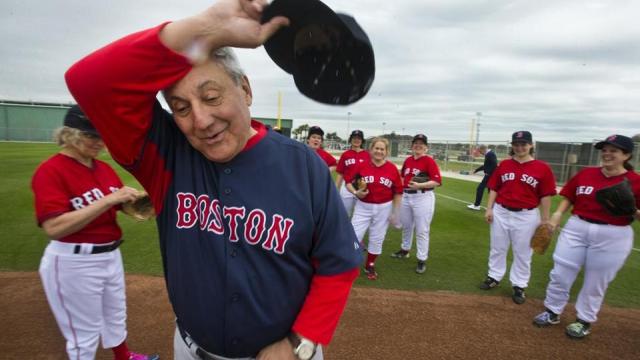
(593, 221)
(201, 353)
(99, 249)
(410, 191)
(515, 209)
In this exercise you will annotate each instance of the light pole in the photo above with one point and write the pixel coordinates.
(478, 114)
(383, 124)
(348, 119)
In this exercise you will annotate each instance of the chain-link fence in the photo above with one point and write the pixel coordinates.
(565, 158)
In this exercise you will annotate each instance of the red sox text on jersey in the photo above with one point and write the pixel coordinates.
(530, 180)
(208, 215)
(89, 197)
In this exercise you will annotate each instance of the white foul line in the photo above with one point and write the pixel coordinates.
(468, 203)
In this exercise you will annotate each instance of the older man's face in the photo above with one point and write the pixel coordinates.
(212, 111)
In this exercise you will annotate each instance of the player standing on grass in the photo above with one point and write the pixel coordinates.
(489, 165)
(378, 204)
(591, 238)
(418, 201)
(357, 154)
(517, 187)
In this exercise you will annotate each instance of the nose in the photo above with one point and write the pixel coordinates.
(202, 119)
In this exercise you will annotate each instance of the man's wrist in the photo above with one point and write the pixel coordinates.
(303, 348)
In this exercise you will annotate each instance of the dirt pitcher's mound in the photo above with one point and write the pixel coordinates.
(377, 324)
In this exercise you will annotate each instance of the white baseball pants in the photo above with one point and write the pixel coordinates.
(348, 199)
(184, 351)
(513, 228)
(374, 217)
(601, 250)
(86, 293)
(417, 210)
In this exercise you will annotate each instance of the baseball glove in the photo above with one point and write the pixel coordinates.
(617, 199)
(421, 178)
(541, 239)
(358, 183)
(140, 209)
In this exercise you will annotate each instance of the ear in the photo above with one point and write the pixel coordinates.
(246, 87)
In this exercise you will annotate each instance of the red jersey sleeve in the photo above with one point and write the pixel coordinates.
(548, 183)
(494, 180)
(117, 96)
(434, 170)
(569, 189)
(324, 305)
(49, 196)
(340, 168)
(397, 181)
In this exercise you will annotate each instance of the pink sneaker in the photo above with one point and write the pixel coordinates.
(136, 356)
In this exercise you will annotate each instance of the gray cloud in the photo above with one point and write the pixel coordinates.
(564, 70)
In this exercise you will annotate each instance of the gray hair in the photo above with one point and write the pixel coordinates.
(226, 58)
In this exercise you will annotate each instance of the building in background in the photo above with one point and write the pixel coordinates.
(36, 121)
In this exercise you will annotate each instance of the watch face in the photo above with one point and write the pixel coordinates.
(305, 351)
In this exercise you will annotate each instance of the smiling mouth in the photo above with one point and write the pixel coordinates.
(217, 137)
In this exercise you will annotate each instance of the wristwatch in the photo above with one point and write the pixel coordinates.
(303, 348)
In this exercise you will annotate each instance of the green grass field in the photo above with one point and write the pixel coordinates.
(457, 258)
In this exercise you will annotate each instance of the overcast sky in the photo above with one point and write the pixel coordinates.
(565, 70)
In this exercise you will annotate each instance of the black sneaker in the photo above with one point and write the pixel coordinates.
(421, 268)
(401, 254)
(518, 295)
(579, 329)
(489, 283)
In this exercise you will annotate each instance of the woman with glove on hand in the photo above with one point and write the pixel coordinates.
(418, 201)
(378, 203)
(76, 201)
(592, 238)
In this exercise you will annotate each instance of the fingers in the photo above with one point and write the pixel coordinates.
(270, 28)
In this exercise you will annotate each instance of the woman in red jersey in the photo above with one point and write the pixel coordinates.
(591, 238)
(315, 137)
(418, 201)
(357, 154)
(76, 200)
(379, 203)
(517, 187)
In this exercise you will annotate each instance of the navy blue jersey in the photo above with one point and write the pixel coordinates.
(238, 240)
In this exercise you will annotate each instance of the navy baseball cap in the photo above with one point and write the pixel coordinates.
(76, 119)
(328, 54)
(522, 136)
(315, 130)
(620, 141)
(356, 133)
(421, 137)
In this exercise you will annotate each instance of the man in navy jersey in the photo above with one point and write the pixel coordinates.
(250, 272)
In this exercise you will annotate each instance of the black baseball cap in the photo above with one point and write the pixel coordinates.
(522, 136)
(328, 54)
(356, 133)
(315, 130)
(421, 137)
(620, 141)
(76, 119)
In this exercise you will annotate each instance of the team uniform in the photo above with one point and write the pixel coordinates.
(592, 239)
(418, 206)
(326, 157)
(346, 166)
(519, 188)
(372, 212)
(243, 266)
(82, 273)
